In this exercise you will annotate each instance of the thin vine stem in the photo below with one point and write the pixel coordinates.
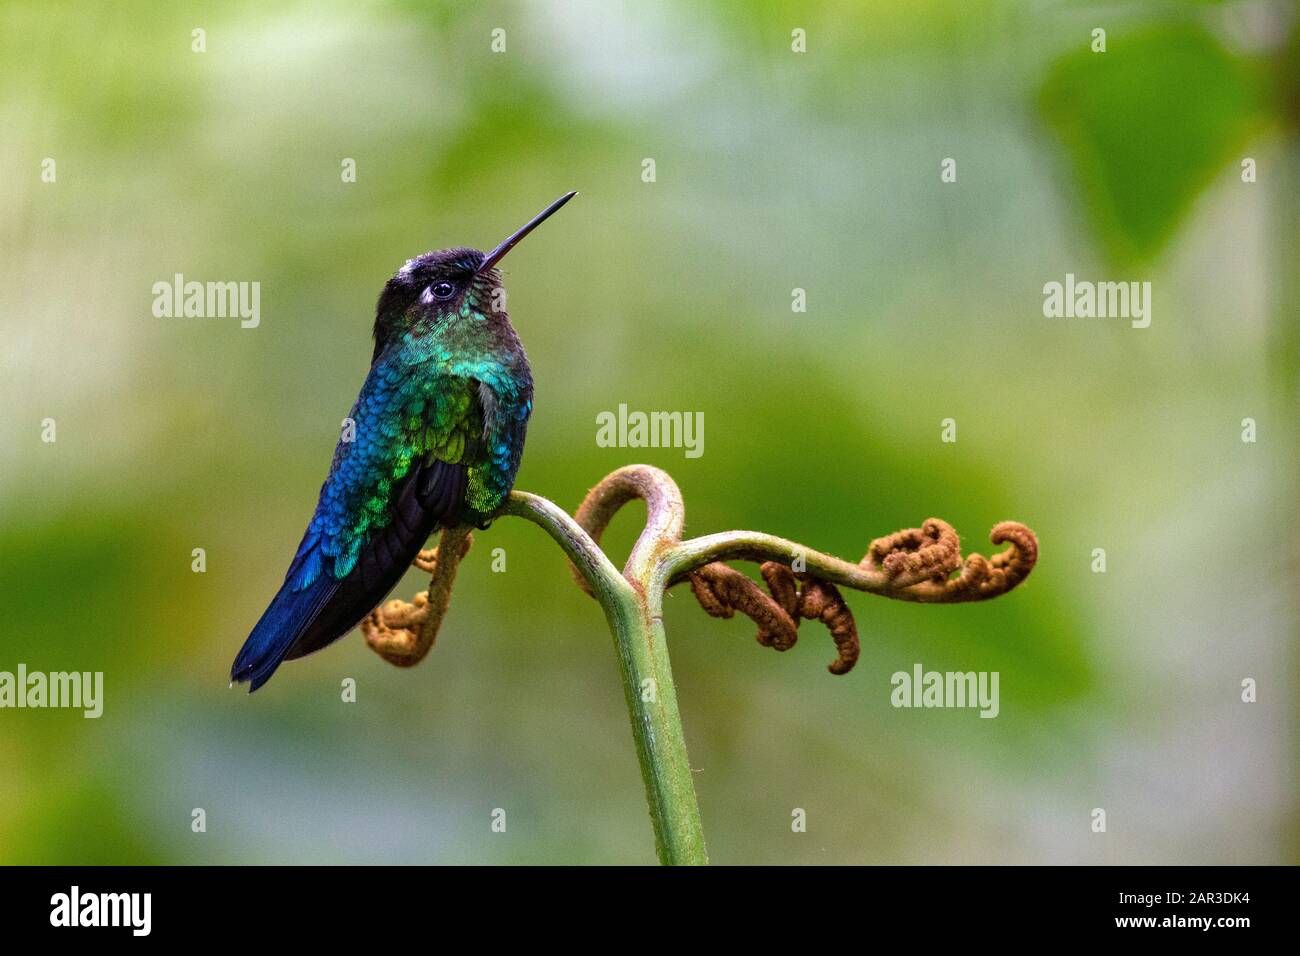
(633, 610)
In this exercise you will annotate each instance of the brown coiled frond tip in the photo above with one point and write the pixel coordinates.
(722, 591)
(918, 563)
(402, 633)
(928, 553)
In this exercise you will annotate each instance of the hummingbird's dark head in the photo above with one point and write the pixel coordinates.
(430, 292)
(427, 289)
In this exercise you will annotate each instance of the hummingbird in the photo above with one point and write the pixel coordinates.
(438, 436)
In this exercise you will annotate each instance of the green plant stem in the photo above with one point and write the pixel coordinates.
(633, 609)
(633, 605)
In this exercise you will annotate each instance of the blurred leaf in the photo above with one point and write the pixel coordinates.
(1146, 125)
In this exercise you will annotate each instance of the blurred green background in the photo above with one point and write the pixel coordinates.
(775, 170)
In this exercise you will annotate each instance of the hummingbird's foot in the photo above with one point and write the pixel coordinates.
(402, 633)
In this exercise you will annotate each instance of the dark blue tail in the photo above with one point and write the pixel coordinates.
(290, 616)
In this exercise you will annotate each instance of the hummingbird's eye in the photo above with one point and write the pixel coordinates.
(443, 290)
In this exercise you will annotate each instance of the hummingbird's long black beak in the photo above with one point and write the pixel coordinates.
(499, 253)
